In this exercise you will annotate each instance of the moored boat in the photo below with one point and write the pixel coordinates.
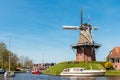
(81, 72)
(9, 74)
(2, 71)
(36, 71)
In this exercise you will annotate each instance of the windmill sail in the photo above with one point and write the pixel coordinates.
(70, 27)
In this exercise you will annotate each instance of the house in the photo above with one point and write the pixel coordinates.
(42, 66)
(114, 57)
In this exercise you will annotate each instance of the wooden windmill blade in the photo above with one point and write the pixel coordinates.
(81, 17)
(94, 28)
(71, 27)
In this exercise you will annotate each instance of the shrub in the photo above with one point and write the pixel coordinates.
(108, 65)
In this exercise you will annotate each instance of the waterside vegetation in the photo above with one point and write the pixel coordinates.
(15, 61)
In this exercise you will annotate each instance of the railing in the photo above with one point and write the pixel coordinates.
(86, 44)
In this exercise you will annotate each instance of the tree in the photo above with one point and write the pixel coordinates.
(4, 53)
(28, 62)
(14, 60)
(4, 57)
(25, 61)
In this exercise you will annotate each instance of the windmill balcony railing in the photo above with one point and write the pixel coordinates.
(96, 45)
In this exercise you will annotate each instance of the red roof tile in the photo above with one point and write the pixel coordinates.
(115, 53)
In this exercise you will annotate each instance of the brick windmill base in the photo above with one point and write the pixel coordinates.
(85, 52)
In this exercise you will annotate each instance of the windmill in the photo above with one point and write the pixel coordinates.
(86, 47)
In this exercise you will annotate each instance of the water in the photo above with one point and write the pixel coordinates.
(29, 76)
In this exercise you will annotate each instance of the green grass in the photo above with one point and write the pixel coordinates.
(57, 69)
(112, 72)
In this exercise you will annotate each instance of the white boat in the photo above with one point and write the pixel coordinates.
(81, 72)
(9, 74)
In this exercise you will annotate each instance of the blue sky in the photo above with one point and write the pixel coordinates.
(35, 27)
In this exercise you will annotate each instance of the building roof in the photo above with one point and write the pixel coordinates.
(115, 53)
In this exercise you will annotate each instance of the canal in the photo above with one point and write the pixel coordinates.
(29, 76)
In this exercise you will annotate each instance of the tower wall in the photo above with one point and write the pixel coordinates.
(85, 54)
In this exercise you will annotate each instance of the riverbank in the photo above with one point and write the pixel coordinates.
(112, 72)
(57, 69)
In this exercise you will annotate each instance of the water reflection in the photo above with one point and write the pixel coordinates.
(5, 78)
(81, 78)
(95, 78)
(113, 77)
(29, 76)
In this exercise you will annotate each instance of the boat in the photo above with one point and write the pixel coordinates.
(36, 71)
(81, 72)
(2, 71)
(9, 74)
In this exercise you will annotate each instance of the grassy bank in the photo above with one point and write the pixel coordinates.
(57, 69)
(112, 72)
